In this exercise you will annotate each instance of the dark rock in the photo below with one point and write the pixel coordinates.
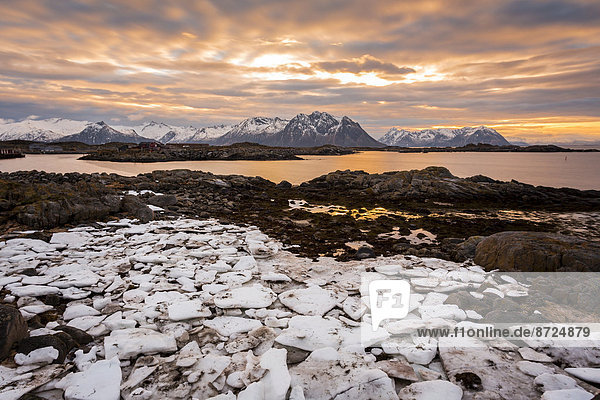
(537, 252)
(365, 252)
(34, 322)
(69, 342)
(80, 337)
(29, 344)
(284, 185)
(13, 328)
(134, 206)
(469, 380)
(163, 200)
(294, 355)
(467, 248)
(52, 300)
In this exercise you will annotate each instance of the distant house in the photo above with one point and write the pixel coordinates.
(8, 151)
(126, 147)
(150, 146)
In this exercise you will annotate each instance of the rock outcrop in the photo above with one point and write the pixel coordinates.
(13, 328)
(537, 251)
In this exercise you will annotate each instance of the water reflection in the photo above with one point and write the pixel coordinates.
(579, 170)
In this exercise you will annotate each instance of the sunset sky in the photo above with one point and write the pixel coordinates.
(529, 68)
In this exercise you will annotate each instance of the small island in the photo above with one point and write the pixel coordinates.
(485, 148)
(157, 152)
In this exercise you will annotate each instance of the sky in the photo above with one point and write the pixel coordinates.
(528, 68)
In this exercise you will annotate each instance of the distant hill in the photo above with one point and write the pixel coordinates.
(443, 137)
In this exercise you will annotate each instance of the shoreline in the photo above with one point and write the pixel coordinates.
(416, 204)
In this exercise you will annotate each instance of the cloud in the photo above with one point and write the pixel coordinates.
(366, 63)
(412, 63)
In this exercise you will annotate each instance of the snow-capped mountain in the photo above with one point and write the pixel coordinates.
(320, 128)
(165, 133)
(42, 130)
(203, 135)
(256, 130)
(303, 130)
(443, 137)
(100, 133)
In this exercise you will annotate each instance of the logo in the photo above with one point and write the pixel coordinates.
(389, 299)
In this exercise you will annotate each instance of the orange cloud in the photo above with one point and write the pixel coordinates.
(412, 63)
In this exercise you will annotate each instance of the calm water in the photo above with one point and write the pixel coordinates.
(577, 170)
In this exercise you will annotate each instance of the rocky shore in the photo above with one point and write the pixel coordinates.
(189, 308)
(195, 152)
(423, 212)
(184, 284)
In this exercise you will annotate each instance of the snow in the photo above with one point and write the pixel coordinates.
(555, 382)
(208, 369)
(432, 390)
(531, 355)
(228, 326)
(189, 354)
(258, 327)
(441, 137)
(256, 296)
(43, 355)
(79, 310)
(188, 310)
(44, 130)
(534, 369)
(100, 381)
(276, 381)
(127, 343)
(586, 374)
(567, 394)
(311, 301)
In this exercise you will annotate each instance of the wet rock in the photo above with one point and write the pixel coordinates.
(364, 252)
(467, 248)
(134, 206)
(32, 343)
(537, 251)
(13, 328)
(80, 337)
(163, 201)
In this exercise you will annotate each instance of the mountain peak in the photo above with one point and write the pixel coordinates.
(443, 137)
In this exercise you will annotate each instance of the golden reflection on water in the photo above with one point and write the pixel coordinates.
(359, 214)
(579, 170)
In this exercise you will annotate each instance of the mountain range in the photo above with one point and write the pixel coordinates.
(443, 137)
(304, 130)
